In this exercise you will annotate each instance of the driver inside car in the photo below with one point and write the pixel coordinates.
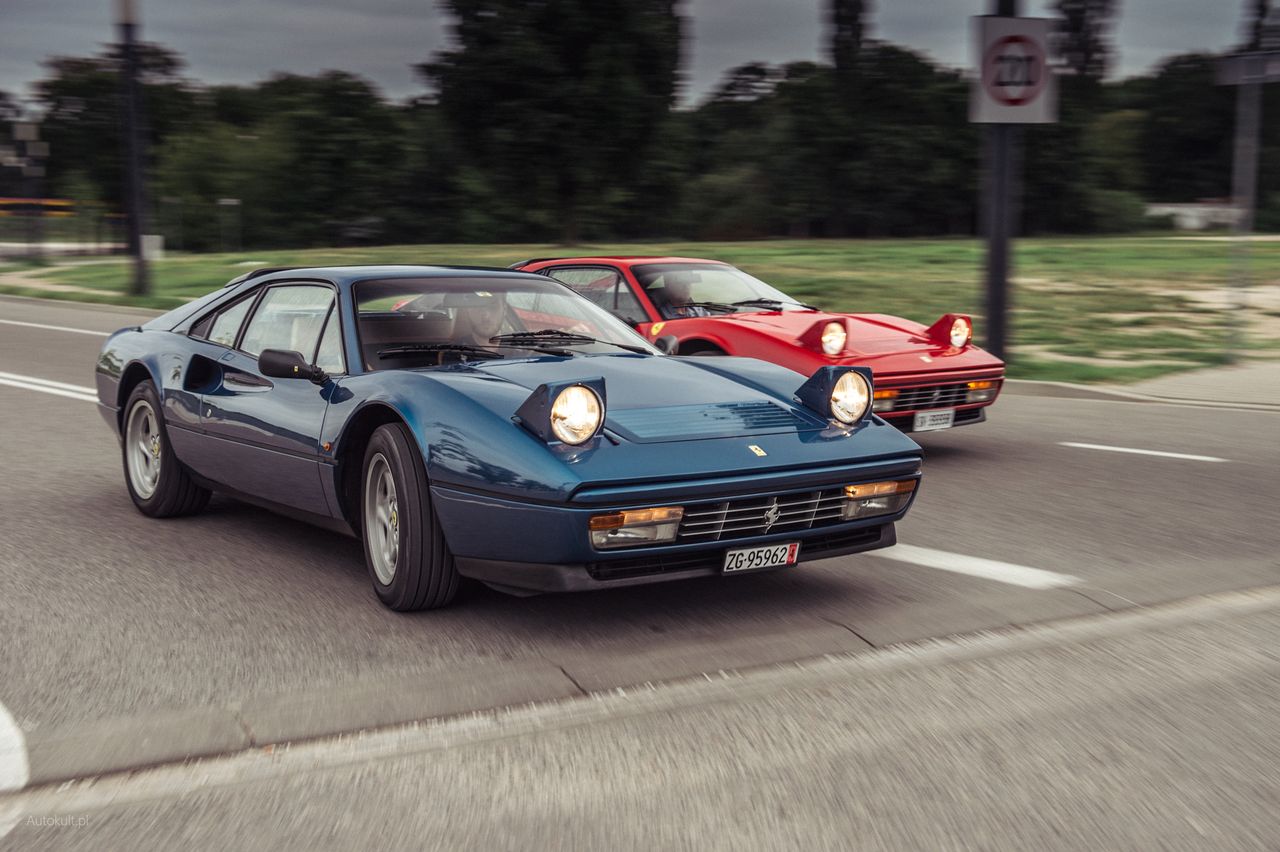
(678, 287)
(479, 319)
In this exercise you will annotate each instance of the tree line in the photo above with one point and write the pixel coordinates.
(560, 121)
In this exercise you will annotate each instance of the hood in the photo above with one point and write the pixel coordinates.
(888, 344)
(869, 334)
(653, 399)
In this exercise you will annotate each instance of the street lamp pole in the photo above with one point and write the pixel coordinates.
(135, 198)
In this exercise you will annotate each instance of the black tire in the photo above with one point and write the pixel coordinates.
(423, 574)
(708, 350)
(169, 491)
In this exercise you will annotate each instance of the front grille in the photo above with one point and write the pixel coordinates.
(754, 516)
(711, 560)
(930, 396)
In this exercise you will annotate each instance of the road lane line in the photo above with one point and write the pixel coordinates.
(49, 383)
(1109, 449)
(14, 769)
(973, 566)
(83, 396)
(57, 328)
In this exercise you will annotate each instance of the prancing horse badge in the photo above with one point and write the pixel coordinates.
(753, 448)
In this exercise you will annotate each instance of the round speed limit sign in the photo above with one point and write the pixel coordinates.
(1014, 83)
(1013, 70)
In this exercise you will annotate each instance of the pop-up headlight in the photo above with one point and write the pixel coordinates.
(841, 393)
(568, 412)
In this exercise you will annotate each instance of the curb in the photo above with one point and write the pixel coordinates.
(92, 748)
(86, 749)
(538, 684)
(1067, 390)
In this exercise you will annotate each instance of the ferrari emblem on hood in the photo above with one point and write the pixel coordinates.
(753, 448)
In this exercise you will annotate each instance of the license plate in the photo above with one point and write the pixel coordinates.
(928, 421)
(764, 556)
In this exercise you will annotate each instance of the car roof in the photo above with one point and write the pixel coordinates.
(346, 275)
(623, 259)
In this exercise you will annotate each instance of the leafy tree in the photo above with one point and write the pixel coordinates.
(80, 100)
(1255, 12)
(1080, 35)
(555, 106)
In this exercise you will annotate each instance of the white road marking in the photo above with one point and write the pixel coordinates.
(973, 566)
(80, 392)
(1109, 449)
(14, 771)
(56, 328)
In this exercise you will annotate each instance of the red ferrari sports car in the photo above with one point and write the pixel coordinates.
(927, 377)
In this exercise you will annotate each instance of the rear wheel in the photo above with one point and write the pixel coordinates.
(409, 561)
(158, 483)
(707, 349)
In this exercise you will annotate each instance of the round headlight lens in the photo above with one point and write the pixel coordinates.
(960, 333)
(850, 398)
(576, 414)
(833, 338)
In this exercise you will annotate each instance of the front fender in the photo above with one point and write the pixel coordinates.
(464, 444)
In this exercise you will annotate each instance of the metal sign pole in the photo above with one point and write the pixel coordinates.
(999, 200)
(134, 196)
(1244, 194)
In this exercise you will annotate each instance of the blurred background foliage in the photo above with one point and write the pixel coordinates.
(561, 121)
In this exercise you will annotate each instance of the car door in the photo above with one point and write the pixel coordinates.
(262, 435)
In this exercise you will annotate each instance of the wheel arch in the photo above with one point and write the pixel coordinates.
(350, 455)
(133, 375)
(694, 345)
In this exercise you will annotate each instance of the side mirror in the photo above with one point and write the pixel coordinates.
(287, 364)
(668, 344)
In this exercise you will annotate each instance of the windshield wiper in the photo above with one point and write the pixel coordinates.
(774, 303)
(541, 340)
(714, 306)
(413, 348)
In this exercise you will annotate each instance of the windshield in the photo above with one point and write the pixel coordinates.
(707, 289)
(425, 322)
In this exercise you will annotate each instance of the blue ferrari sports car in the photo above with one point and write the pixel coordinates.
(484, 423)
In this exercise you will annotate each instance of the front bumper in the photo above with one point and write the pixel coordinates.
(660, 567)
(924, 393)
(546, 547)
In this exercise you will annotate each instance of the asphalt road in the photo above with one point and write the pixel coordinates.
(107, 615)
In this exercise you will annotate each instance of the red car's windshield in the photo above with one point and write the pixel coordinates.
(707, 289)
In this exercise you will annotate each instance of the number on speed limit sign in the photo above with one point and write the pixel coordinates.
(1015, 82)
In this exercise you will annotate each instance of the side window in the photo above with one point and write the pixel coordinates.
(329, 355)
(289, 317)
(228, 321)
(606, 288)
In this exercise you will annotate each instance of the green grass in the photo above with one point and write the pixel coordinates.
(1072, 299)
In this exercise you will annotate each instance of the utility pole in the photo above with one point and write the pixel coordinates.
(135, 196)
(998, 185)
(1248, 71)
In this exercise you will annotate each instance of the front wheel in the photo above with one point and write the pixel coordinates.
(408, 558)
(158, 483)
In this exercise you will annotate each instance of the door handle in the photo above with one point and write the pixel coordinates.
(245, 382)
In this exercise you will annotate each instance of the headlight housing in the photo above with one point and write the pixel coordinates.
(961, 332)
(833, 338)
(576, 414)
(850, 397)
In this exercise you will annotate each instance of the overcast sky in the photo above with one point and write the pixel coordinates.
(240, 41)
